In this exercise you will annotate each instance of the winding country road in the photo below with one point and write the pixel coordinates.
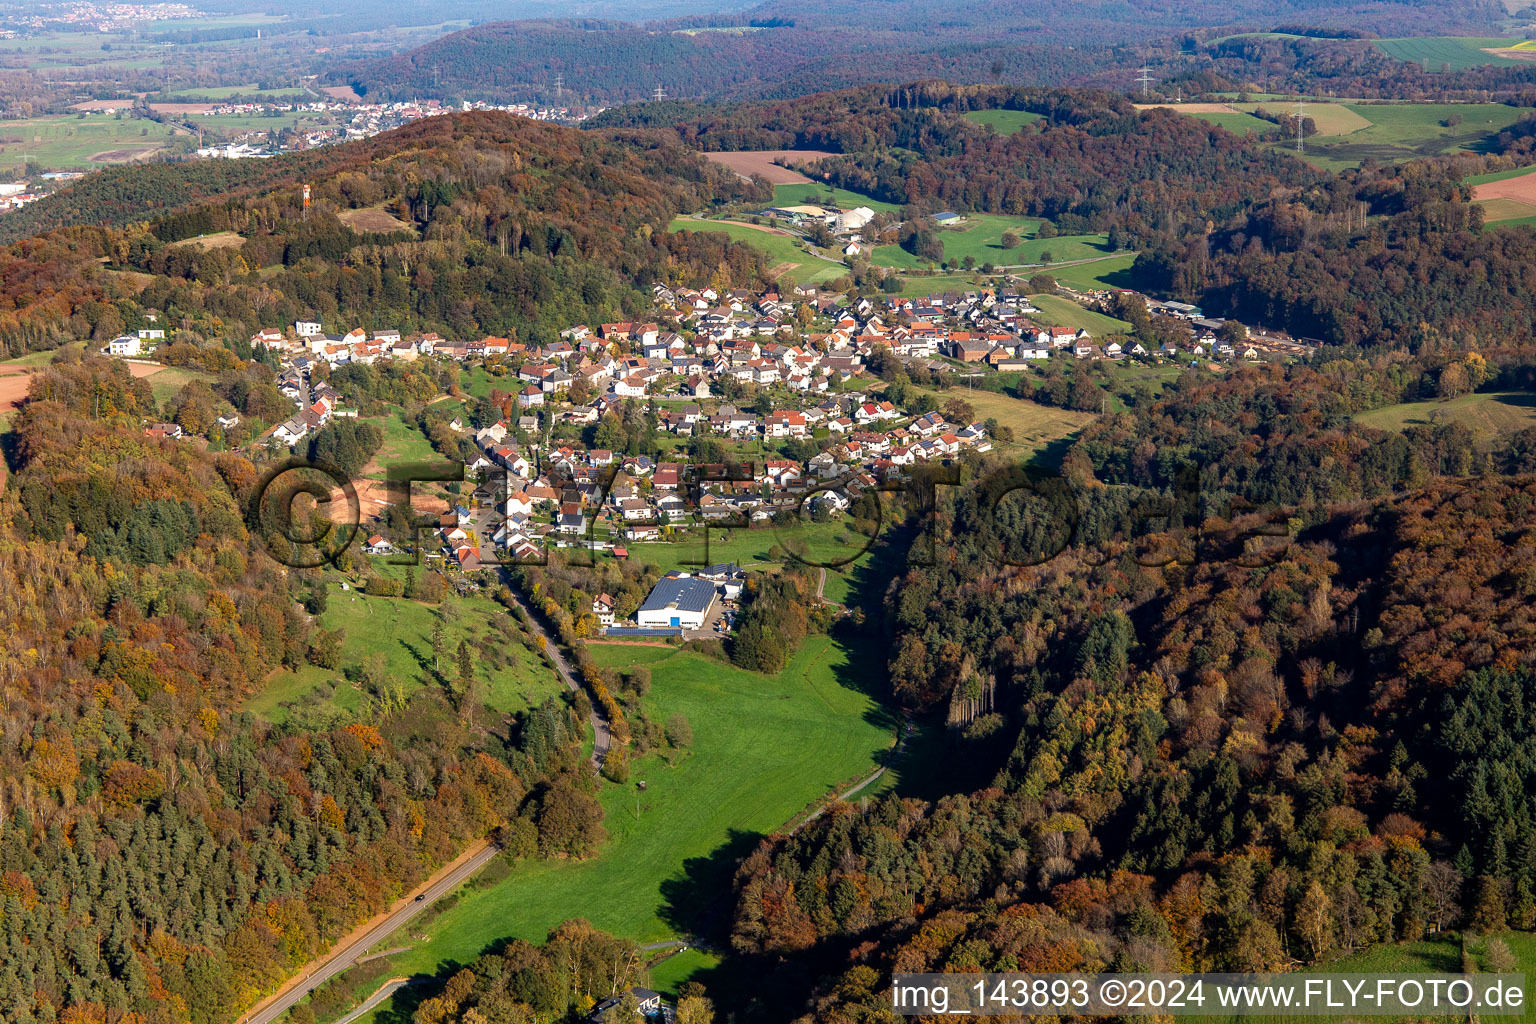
(339, 959)
(600, 737)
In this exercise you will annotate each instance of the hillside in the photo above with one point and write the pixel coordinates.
(116, 196)
(1203, 756)
(509, 225)
(789, 47)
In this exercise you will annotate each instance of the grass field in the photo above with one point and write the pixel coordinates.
(1035, 427)
(276, 121)
(225, 92)
(401, 631)
(167, 381)
(373, 218)
(1330, 118)
(764, 748)
(1504, 212)
(1111, 272)
(403, 442)
(1003, 122)
(834, 545)
(981, 238)
(1236, 122)
(1494, 413)
(1455, 53)
(217, 240)
(1056, 311)
(815, 194)
(1439, 954)
(70, 141)
(786, 255)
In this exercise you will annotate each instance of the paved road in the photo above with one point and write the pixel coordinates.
(340, 959)
(601, 739)
(384, 991)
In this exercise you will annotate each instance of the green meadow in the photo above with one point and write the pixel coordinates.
(1492, 176)
(1003, 122)
(1056, 311)
(1404, 131)
(1238, 123)
(816, 194)
(1109, 272)
(79, 142)
(1485, 413)
(401, 631)
(1455, 53)
(786, 254)
(980, 236)
(765, 748)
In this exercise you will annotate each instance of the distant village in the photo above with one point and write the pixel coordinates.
(357, 121)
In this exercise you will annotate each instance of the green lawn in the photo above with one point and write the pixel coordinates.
(815, 194)
(1003, 122)
(401, 631)
(981, 238)
(1495, 413)
(1436, 53)
(787, 256)
(764, 748)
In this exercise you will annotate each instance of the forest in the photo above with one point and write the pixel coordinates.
(1213, 744)
(785, 48)
(166, 856)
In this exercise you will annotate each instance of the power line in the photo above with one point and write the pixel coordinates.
(659, 94)
(1301, 109)
(1144, 79)
(559, 87)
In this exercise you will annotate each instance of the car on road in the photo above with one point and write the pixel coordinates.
(420, 897)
